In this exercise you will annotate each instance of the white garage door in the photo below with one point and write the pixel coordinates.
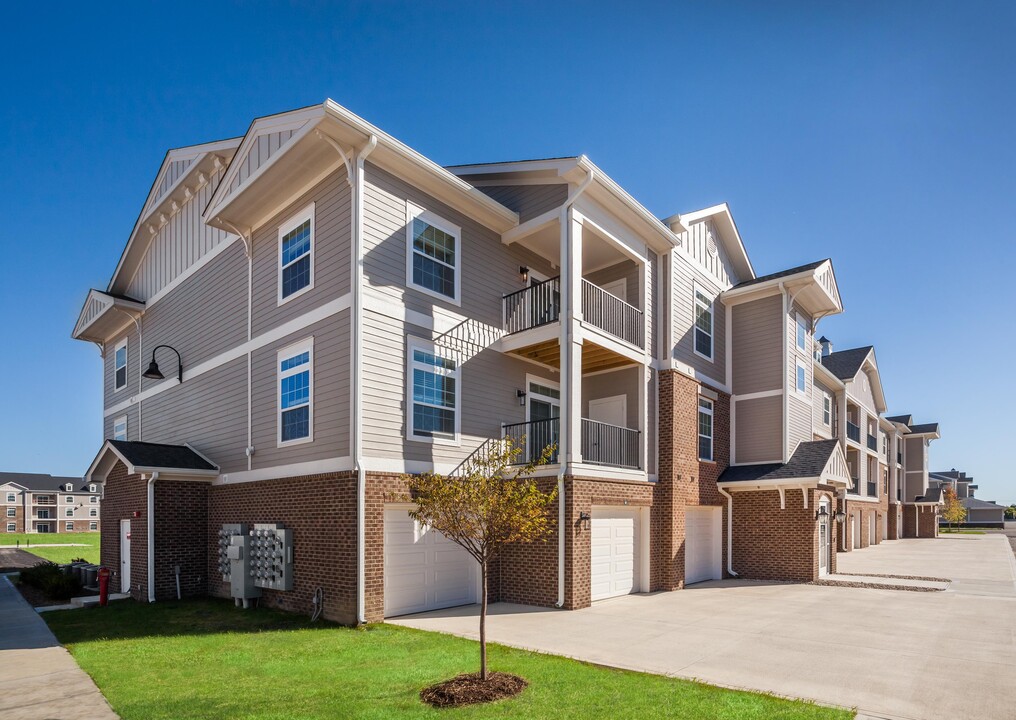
(614, 552)
(702, 544)
(424, 570)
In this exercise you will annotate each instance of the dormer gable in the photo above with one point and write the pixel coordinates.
(710, 240)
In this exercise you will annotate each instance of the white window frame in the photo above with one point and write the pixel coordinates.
(93, 512)
(307, 214)
(69, 527)
(69, 499)
(94, 500)
(93, 488)
(68, 487)
(798, 370)
(827, 409)
(697, 290)
(418, 343)
(122, 420)
(305, 345)
(69, 512)
(12, 527)
(12, 497)
(122, 345)
(801, 332)
(711, 412)
(415, 212)
(93, 525)
(12, 512)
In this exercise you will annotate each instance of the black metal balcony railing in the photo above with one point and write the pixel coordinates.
(899, 458)
(872, 489)
(872, 443)
(533, 306)
(540, 304)
(604, 444)
(612, 315)
(533, 437)
(853, 432)
(601, 444)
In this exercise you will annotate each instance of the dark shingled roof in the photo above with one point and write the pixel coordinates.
(782, 273)
(809, 460)
(924, 428)
(977, 504)
(39, 482)
(902, 419)
(844, 364)
(155, 455)
(931, 495)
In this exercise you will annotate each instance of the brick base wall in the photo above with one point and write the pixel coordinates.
(895, 522)
(924, 524)
(181, 519)
(123, 496)
(321, 511)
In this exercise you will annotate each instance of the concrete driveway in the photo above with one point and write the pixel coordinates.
(889, 653)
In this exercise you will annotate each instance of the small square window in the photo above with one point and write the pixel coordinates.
(69, 499)
(11, 497)
(12, 527)
(92, 488)
(69, 527)
(69, 512)
(92, 512)
(93, 499)
(93, 526)
(12, 512)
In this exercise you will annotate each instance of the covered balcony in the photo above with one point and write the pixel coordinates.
(601, 443)
(853, 423)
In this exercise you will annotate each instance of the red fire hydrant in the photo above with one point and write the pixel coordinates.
(103, 586)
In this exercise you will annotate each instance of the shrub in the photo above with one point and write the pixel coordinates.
(51, 580)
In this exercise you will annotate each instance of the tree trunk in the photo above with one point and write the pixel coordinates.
(483, 622)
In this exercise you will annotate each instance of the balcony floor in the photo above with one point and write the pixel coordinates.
(594, 357)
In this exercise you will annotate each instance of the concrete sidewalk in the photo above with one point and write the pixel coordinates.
(38, 677)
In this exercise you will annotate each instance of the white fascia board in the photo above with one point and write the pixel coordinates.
(560, 166)
(773, 484)
(130, 306)
(729, 233)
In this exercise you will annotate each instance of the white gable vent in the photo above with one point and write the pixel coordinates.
(710, 242)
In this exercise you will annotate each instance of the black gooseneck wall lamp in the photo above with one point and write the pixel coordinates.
(153, 372)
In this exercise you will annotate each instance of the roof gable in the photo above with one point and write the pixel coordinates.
(816, 461)
(178, 461)
(718, 236)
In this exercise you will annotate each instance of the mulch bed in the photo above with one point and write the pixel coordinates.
(470, 690)
(36, 597)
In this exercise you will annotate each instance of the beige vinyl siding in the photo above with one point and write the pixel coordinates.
(757, 352)
(331, 259)
(799, 423)
(488, 270)
(208, 411)
(132, 424)
(109, 364)
(695, 244)
(818, 408)
(799, 407)
(330, 399)
(528, 201)
(174, 171)
(859, 389)
(683, 279)
(635, 293)
(489, 381)
(619, 382)
(759, 432)
(263, 148)
(94, 307)
(177, 245)
(202, 317)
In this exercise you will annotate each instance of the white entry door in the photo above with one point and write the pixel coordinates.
(872, 537)
(614, 553)
(610, 410)
(424, 570)
(702, 544)
(857, 530)
(125, 556)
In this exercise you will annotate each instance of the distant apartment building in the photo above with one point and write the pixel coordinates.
(305, 314)
(37, 503)
(980, 513)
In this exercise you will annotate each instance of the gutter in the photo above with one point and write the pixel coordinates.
(150, 523)
(569, 389)
(356, 400)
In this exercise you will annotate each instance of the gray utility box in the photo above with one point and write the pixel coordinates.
(241, 581)
(226, 532)
(271, 556)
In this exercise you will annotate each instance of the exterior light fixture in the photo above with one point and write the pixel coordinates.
(585, 517)
(822, 512)
(840, 516)
(521, 395)
(153, 372)
(524, 272)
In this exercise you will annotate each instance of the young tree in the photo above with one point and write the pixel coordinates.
(491, 505)
(953, 512)
(1010, 512)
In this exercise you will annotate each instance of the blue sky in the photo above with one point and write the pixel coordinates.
(878, 134)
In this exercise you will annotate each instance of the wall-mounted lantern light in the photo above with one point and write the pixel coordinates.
(585, 517)
(153, 372)
(840, 516)
(524, 272)
(521, 395)
(822, 512)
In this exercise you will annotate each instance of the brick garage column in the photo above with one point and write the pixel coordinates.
(770, 543)
(123, 496)
(181, 540)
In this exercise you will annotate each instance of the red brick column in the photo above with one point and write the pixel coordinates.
(124, 495)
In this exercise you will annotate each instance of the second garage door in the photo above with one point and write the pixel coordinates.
(424, 570)
(614, 552)
(703, 558)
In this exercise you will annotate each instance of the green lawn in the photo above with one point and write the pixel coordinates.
(205, 659)
(31, 543)
(949, 531)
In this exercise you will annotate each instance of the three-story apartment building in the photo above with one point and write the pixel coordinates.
(38, 503)
(304, 315)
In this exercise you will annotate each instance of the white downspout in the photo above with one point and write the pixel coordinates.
(151, 536)
(356, 324)
(730, 530)
(561, 510)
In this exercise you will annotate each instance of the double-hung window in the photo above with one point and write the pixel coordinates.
(94, 500)
(705, 429)
(433, 381)
(92, 512)
(120, 428)
(12, 512)
(802, 332)
(120, 365)
(69, 512)
(703, 324)
(802, 378)
(827, 409)
(12, 527)
(296, 393)
(296, 255)
(69, 527)
(434, 254)
(93, 526)
(11, 497)
(69, 499)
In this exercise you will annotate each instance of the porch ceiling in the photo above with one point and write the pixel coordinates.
(594, 357)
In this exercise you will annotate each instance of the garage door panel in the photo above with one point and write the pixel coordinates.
(702, 544)
(613, 552)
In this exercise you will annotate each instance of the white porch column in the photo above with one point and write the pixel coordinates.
(570, 450)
